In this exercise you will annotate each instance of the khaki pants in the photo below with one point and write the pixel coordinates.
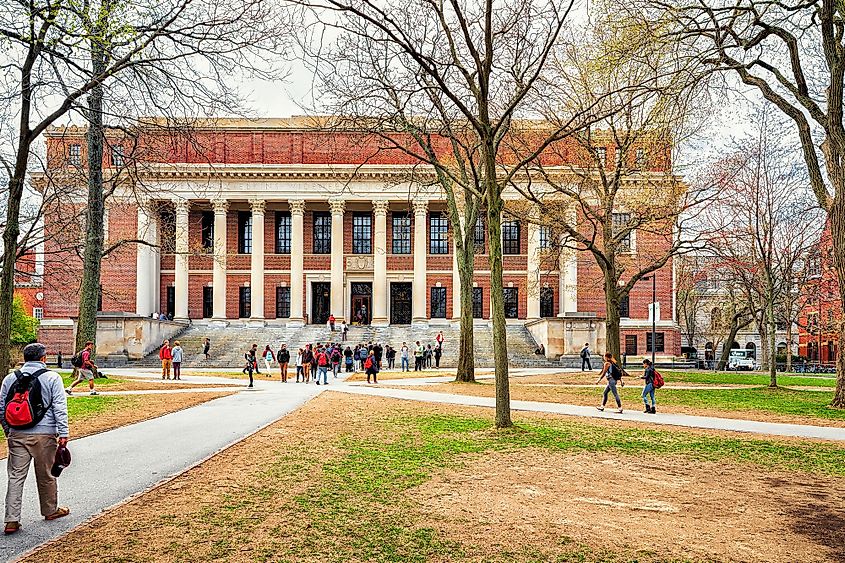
(165, 368)
(23, 448)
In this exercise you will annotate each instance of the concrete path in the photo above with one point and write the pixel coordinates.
(113, 466)
(689, 421)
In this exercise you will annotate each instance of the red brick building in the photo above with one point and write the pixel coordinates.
(818, 335)
(277, 222)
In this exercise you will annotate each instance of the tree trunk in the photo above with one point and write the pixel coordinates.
(773, 363)
(788, 346)
(611, 301)
(837, 235)
(497, 299)
(92, 259)
(466, 346)
(726, 347)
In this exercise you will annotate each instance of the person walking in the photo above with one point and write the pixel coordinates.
(337, 356)
(268, 356)
(86, 369)
(371, 367)
(299, 365)
(176, 354)
(613, 374)
(344, 331)
(251, 362)
(648, 390)
(206, 347)
(254, 355)
(307, 358)
(405, 357)
(347, 358)
(439, 339)
(283, 357)
(38, 443)
(438, 351)
(585, 357)
(419, 353)
(323, 366)
(332, 322)
(166, 357)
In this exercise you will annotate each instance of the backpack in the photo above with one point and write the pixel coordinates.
(369, 363)
(76, 360)
(615, 372)
(322, 360)
(584, 353)
(24, 404)
(658, 380)
(336, 356)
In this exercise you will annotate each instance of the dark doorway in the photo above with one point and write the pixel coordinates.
(207, 302)
(400, 303)
(547, 302)
(320, 302)
(244, 303)
(362, 302)
(171, 302)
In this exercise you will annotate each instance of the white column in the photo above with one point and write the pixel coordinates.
(145, 285)
(456, 276)
(181, 277)
(380, 263)
(297, 241)
(418, 308)
(569, 281)
(256, 278)
(338, 206)
(533, 282)
(221, 207)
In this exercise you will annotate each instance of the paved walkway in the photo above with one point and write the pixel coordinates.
(113, 466)
(689, 421)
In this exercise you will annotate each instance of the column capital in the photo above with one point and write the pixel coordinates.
(297, 206)
(220, 205)
(420, 206)
(338, 206)
(257, 205)
(182, 206)
(380, 206)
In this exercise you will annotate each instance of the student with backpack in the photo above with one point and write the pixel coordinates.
(371, 367)
(33, 414)
(337, 356)
(249, 368)
(613, 373)
(348, 359)
(85, 368)
(283, 357)
(323, 362)
(268, 356)
(653, 380)
(176, 355)
(585, 357)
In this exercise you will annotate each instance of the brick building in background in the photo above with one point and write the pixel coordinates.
(818, 324)
(274, 221)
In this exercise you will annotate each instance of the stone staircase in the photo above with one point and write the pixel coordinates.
(229, 344)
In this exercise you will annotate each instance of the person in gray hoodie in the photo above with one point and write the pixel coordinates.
(37, 444)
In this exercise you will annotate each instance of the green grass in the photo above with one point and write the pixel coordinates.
(67, 379)
(359, 506)
(745, 378)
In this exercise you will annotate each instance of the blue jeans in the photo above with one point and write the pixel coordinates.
(323, 370)
(648, 390)
(406, 366)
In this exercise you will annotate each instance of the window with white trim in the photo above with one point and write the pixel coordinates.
(38, 312)
(620, 224)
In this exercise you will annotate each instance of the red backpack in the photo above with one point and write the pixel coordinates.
(368, 363)
(322, 360)
(24, 404)
(658, 380)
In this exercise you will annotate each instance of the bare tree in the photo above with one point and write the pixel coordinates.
(481, 61)
(793, 55)
(689, 298)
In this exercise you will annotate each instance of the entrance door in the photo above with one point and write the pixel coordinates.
(362, 300)
(171, 302)
(320, 302)
(400, 303)
(207, 302)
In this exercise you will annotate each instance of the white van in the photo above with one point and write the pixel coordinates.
(741, 359)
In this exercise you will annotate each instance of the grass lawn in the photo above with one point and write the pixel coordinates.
(400, 481)
(744, 378)
(91, 415)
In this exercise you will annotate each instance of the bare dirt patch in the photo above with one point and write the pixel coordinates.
(260, 499)
(400, 375)
(129, 410)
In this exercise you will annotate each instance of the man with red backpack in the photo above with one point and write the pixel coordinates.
(653, 380)
(322, 365)
(33, 413)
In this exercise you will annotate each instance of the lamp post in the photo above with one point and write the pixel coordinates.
(653, 278)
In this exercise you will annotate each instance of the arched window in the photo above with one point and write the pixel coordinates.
(751, 347)
(735, 345)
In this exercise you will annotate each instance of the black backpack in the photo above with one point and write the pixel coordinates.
(615, 372)
(25, 402)
(76, 360)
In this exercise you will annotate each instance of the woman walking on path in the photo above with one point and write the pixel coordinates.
(648, 390)
(283, 358)
(176, 354)
(267, 355)
(299, 365)
(613, 374)
(371, 367)
(166, 359)
(250, 363)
